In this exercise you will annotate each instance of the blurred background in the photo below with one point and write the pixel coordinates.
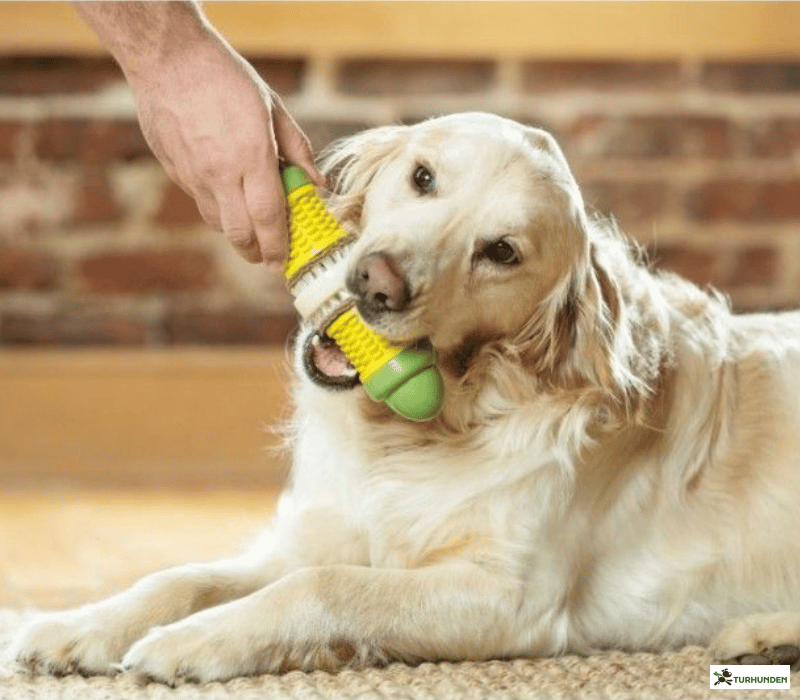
(137, 349)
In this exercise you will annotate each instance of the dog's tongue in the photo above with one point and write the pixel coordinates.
(329, 358)
(326, 364)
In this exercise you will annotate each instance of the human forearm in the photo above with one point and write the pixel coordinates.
(143, 35)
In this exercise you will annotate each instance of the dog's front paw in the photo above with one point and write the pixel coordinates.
(191, 652)
(212, 647)
(769, 638)
(77, 641)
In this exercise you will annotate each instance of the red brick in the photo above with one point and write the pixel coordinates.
(95, 200)
(782, 200)
(94, 140)
(753, 266)
(9, 134)
(752, 77)
(415, 77)
(695, 264)
(240, 326)
(724, 268)
(72, 329)
(284, 75)
(651, 137)
(772, 138)
(147, 271)
(30, 270)
(746, 200)
(539, 76)
(41, 75)
(626, 201)
(177, 208)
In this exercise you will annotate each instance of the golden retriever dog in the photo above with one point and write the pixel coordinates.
(616, 466)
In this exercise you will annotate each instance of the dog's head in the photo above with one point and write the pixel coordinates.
(465, 224)
(471, 232)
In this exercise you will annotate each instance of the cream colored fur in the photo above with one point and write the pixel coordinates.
(617, 464)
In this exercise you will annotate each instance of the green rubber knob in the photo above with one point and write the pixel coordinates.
(293, 177)
(410, 384)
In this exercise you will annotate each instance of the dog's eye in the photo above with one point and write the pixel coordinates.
(500, 252)
(423, 180)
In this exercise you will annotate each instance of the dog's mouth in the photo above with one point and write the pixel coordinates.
(327, 366)
(325, 363)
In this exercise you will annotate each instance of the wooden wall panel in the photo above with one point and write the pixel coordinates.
(515, 29)
(188, 418)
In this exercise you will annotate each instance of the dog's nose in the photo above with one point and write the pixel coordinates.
(378, 283)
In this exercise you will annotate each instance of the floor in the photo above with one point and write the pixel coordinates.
(59, 549)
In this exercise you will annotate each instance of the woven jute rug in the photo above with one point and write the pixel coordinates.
(678, 675)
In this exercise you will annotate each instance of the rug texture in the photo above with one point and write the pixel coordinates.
(678, 675)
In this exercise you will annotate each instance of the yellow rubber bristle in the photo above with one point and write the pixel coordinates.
(313, 229)
(367, 350)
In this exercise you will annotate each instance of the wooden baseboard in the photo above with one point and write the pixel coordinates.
(185, 418)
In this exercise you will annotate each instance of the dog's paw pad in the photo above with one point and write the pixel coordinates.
(753, 660)
(784, 654)
(781, 655)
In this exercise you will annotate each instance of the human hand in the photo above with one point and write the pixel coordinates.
(219, 132)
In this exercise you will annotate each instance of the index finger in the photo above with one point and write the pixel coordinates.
(266, 204)
(236, 223)
(293, 144)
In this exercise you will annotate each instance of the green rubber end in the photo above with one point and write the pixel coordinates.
(294, 177)
(410, 384)
(420, 398)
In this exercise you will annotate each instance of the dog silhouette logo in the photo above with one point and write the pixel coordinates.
(724, 677)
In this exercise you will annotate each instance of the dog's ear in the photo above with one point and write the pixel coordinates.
(561, 229)
(546, 142)
(554, 165)
(351, 163)
(589, 334)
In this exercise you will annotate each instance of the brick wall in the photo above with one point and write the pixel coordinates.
(700, 161)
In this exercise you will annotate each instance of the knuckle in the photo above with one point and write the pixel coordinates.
(210, 171)
(249, 252)
(240, 237)
(214, 167)
(268, 215)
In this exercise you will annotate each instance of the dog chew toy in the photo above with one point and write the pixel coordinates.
(407, 379)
